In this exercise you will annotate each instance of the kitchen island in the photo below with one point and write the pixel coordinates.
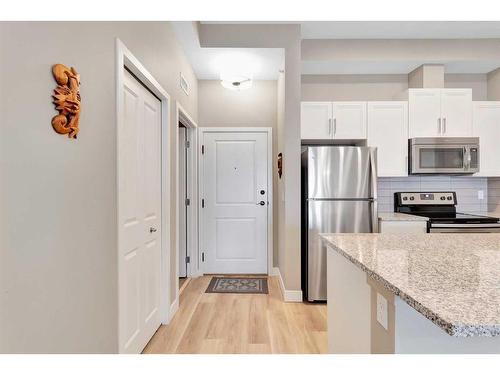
(413, 293)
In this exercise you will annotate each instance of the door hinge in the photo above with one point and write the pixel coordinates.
(188, 259)
(188, 144)
(203, 203)
(202, 257)
(202, 149)
(188, 201)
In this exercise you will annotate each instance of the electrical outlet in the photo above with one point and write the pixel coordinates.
(382, 312)
(480, 194)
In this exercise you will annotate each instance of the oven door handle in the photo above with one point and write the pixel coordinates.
(478, 225)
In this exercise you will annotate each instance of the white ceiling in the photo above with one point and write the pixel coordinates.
(395, 66)
(209, 63)
(394, 29)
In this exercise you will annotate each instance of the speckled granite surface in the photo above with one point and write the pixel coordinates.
(452, 279)
(397, 216)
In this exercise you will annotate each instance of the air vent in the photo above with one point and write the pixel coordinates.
(184, 84)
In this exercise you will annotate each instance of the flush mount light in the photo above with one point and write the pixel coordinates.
(236, 82)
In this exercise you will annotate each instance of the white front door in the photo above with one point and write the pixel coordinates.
(139, 215)
(235, 202)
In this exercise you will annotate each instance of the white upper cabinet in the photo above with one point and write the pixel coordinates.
(349, 120)
(316, 120)
(424, 106)
(486, 126)
(456, 112)
(333, 120)
(388, 131)
(440, 112)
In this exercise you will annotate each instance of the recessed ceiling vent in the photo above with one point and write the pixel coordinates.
(184, 84)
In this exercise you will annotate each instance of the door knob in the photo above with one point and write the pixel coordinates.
(261, 203)
(152, 230)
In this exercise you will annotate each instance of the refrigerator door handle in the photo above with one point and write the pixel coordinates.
(373, 183)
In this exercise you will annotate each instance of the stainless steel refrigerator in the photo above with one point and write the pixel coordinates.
(339, 195)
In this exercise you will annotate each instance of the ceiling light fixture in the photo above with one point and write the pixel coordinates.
(236, 82)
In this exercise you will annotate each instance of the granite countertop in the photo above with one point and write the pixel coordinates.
(451, 279)
(398, 216)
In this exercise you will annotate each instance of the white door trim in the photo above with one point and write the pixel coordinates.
(269, 132)
(125, 59)
(183, 117)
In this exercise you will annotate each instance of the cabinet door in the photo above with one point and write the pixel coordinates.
(349, 120)
(456, 112)
(388, 131)
(424, 106)
(486, 126)
(315, 120)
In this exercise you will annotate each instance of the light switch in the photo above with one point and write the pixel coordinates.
(382, 313)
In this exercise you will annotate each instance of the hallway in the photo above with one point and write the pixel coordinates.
(239, 323)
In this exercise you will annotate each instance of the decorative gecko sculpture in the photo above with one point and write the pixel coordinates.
(67, 100)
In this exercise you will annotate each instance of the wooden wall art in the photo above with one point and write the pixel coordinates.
(67, 100)
(280, 164)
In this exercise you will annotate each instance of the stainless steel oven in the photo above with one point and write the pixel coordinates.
(443, 155)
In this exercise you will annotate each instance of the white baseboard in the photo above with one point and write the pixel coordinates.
(173, 309)
(288, 295)
(275, 271)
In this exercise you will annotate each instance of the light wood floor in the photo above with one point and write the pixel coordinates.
(239, 323)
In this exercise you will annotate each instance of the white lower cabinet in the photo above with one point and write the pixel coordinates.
(402, 227)
(486, 126)
(388, 131)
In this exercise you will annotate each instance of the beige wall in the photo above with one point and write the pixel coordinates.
(58, 245)
(255, 107)
(493, 79)
(285, 36)
(379, 86)
(427, 76)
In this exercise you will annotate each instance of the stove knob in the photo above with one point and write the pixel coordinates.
(412, 198)
(443, 198)
(449, 198)
(405, 198)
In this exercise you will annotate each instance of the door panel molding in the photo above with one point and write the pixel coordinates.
(201, 169)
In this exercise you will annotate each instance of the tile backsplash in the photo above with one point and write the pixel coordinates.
(467, 189)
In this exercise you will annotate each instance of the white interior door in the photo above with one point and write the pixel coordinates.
(182, 202)
(235, 202)
(139, 183)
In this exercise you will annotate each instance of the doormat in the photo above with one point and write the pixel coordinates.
(247, 285)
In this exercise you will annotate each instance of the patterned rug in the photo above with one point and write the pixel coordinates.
(250, 285)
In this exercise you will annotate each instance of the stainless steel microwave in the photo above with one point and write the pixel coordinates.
(443, 155)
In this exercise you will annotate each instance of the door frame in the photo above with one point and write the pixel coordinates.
(125, 59)
(269, 132)
(183, 117)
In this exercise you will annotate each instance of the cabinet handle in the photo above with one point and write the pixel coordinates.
(329, 126)
(439, 125)
(444, 125)
(334, 126)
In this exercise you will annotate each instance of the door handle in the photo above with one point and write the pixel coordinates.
(261, 203)
(152, 230)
